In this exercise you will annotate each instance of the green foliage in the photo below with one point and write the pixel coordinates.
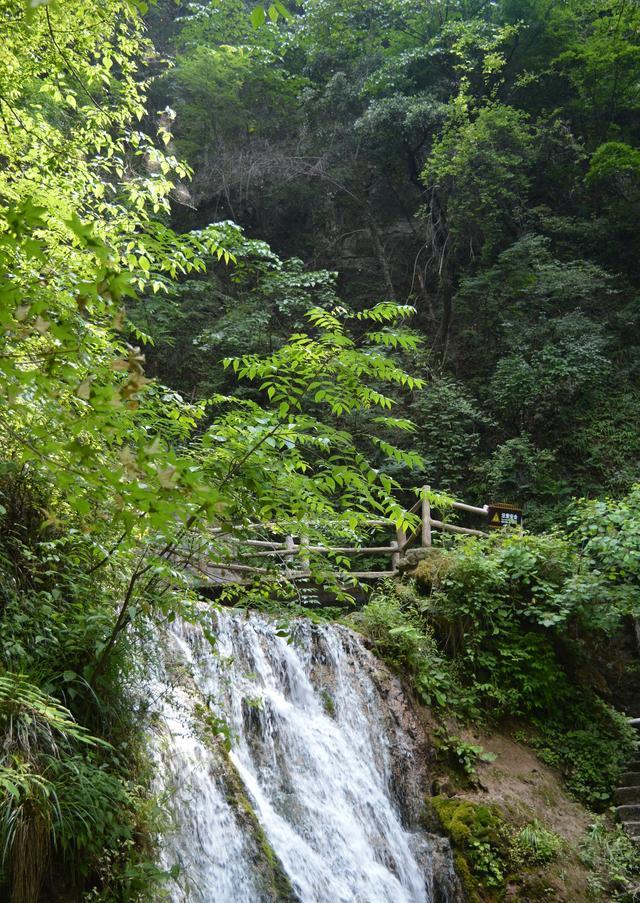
(614, 161)
(606, 442)
(507, 627)
(60, 795)
(608, 534)
(614, 861)
(461, 755)
(518, 469)
(225, 79)
(251, 307)
(493, 603)
(513, 624)
(450, 432)
(68, 798)
(600, 59)
(273, 11)
(535, 845)
(568, 362)
(479, 168)
(590, 744)
(406, 643)
(81, 228)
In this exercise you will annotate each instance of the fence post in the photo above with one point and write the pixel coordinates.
(401, 540)
(305, 564)
(289, 543)
(426, 518)
(395, 558)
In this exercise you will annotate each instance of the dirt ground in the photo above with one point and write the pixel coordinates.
(527, 789)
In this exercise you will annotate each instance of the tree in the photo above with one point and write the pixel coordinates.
(110, 483)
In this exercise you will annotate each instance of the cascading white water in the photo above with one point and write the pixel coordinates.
(318, 755)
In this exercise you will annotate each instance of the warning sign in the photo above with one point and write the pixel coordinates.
(504, 516)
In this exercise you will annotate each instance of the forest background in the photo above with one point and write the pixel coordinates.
(475, 160)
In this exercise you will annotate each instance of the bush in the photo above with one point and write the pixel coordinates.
(509, 626)
(590, 744)
(495, 606)
(614, 860)
(74, 814)
(403, 640)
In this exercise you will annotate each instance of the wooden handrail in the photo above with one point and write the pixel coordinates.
(347, 550)
(289, 549)
(454, 528)
(472, 509)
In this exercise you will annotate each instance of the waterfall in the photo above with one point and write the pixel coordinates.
(314, 794)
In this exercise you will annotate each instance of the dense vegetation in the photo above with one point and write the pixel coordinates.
(398, 212)
(476, 160)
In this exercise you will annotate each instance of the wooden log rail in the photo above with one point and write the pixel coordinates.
(289, 549)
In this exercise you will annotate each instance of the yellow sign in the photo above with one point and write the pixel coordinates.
(504, 516)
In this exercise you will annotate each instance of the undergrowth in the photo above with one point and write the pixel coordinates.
(75, 814)
(590, 744)
(490, 852)
(509, 629)
(614, 861)
(405, 640)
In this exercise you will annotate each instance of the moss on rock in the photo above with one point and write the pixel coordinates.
(489, 851)
(276, 882)
(482, 841)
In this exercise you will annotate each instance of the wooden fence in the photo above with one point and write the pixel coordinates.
(285, 551)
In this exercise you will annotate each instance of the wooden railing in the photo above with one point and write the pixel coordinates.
(288, 549)
(428, 524)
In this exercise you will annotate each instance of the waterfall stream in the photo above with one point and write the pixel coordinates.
(317, 797)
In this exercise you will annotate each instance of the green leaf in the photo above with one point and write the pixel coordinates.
(282, 9)
(258, 17)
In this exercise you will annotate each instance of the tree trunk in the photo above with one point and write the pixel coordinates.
(378, 248)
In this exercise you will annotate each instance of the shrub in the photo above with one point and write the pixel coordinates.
(518, 619)
(403, 640)
(614, 860)
(494, 606)
(590, 743)
(535, 845)
(74, 814)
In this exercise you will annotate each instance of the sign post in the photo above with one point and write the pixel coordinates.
(500, 516)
